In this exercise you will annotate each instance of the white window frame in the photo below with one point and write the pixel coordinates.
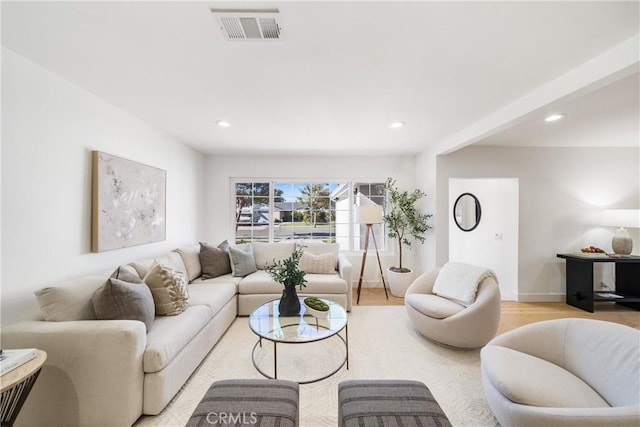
(383, 245)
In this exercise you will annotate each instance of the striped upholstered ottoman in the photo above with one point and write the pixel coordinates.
(264, 403)
(388, 403)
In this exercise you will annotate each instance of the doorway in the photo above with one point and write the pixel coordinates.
(486, 232)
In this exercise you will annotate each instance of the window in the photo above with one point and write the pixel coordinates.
(369, 194)
(272, 211)
(252, 201)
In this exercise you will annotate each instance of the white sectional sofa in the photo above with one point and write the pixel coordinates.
(109, 372)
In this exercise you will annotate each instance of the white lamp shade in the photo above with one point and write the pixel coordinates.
(369, 214)
(621, 218)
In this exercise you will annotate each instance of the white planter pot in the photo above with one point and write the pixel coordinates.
(399, 282)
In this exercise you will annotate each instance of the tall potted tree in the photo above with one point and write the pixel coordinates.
(405, 224)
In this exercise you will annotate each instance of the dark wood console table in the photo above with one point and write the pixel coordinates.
(579, 285)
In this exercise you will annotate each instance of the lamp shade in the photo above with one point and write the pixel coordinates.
(621, 218)
(369, 214)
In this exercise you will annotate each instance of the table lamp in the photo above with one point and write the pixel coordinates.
(621, 242)
(369, 215)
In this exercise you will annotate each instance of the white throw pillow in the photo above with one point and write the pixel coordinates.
(318, 264)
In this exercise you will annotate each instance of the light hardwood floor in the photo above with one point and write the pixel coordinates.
(515, 314)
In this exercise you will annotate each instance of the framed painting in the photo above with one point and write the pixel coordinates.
(128, 203)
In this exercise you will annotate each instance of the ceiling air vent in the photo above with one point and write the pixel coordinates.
(249, 25)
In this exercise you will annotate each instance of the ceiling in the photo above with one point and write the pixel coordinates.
(606, 117)
(342, 74)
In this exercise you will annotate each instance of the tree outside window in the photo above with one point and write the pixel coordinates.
(275, 211)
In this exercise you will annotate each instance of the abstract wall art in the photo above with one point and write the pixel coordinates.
(128, 203)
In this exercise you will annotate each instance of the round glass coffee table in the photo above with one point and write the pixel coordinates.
(267, 324)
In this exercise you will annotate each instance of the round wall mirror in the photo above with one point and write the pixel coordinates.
(467, 212)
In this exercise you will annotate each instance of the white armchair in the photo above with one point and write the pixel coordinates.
(448, 322)
(564, 372)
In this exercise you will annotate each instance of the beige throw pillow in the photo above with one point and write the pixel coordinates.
(169, 290)
(191, 259)
(318, 264)
(71, 301)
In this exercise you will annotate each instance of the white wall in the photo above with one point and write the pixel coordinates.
(562, 194)
(494, 242)
(49, 128)
(221, 169)
(426, 180)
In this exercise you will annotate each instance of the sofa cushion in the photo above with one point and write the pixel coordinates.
(532, 381)
(325, 284)
(214, 260)
(73, 301)
(227, 278)
(433, 305)
(191, 259)
(121, 300)
(169, 335)
(266, 254)
(261, 282)
(172, 260)
(318, 264)
(169, 290)
(213, 295)
(242, 261)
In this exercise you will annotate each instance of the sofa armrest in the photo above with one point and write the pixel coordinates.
(344, 270)
(93, 373)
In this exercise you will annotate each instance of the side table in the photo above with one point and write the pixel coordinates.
(579, 282)
(15, 387)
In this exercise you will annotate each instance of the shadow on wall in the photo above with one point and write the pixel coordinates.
(549, 283)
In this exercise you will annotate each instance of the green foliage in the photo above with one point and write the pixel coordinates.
(253, 193)
(286, 271)
(316, 197)
(316, 304)
(404, 222)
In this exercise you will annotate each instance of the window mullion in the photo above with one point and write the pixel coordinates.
(271, 211)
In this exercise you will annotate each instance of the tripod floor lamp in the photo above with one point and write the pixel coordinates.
(369, 215)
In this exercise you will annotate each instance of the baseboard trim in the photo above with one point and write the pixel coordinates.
(541, 297)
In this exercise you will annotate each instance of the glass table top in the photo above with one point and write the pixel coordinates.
(266, 322)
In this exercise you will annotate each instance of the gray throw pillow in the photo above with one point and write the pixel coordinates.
(242, 261)
(214, 260)
(126, 274)
(124, 298)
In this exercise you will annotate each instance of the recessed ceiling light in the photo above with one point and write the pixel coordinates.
(396, 125)
(223, 124)
(554, 117)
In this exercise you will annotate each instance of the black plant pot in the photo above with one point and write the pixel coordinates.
(289, 303)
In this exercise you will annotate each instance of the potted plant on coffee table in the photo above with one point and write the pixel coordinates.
(316, 307)
(287, 273)
(405, 224)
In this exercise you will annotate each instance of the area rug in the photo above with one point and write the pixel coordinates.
(382, 344)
